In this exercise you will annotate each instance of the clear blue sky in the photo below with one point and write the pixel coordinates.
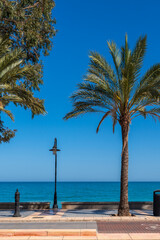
(85, 156)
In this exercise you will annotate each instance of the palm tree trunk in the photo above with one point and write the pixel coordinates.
(124, 205)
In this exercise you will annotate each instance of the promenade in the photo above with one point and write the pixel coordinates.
(74, 215)
(78, 225)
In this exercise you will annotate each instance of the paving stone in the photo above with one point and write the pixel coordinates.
(69, 215)
(45, 238)
(145, 236)
(128, 227)
(115, 236)
(9, 213)
(88, 213)
(79, 238)
(15, 238)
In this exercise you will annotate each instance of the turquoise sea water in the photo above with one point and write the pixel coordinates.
(76, 191)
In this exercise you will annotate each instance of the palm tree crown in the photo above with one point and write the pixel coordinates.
(120, 92)
(18, 82)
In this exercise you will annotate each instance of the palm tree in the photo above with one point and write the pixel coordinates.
(18, 82)
(122, 93)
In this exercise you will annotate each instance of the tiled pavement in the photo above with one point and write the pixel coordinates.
(78, 225)
(9, 213)
(73, 215)
(98, 237)
(103, 213)
(89, 213)
(128, 227)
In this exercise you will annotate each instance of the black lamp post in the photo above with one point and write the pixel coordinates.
(55, 150)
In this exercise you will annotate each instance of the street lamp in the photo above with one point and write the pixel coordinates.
(55, 150)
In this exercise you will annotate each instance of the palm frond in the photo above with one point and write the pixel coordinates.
(154, 113)
(18, 80)
(7, 112)
(137, 56)
(77, 112)
(120, 92)
(105, 115)
(115, 53)
(102, 70)
(148, 86)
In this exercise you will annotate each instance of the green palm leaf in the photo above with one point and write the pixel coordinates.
(18, 82)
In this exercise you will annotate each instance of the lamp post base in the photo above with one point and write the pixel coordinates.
(16, 215)
(55, 206)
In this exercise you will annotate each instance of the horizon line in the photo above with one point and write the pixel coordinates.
(74, 181)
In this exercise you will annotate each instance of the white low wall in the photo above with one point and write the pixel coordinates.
(105, 205)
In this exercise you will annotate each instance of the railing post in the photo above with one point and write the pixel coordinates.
(17, 204)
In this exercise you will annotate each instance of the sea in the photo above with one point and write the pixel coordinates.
(76, 191)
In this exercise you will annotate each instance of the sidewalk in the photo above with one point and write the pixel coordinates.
(78, 225)
(120, 236)
(75, 215)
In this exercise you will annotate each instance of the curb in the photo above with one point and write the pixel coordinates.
(48, 232)
(77, 219)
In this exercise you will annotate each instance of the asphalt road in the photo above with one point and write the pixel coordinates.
(56, 225)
